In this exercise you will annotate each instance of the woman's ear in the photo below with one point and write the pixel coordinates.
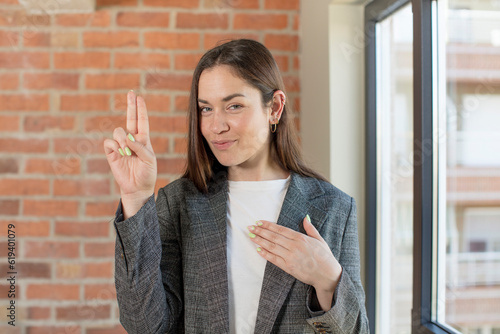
(278, 104)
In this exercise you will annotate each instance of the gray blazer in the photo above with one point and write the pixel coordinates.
(171, 269)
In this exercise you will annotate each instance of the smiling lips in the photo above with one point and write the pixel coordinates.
(222, 144)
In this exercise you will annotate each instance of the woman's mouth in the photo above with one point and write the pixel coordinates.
(223, 144)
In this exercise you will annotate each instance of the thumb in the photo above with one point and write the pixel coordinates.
(310, 229)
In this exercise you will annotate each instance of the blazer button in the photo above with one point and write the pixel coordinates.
(121, 255)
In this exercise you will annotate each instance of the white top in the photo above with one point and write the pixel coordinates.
(248, 201)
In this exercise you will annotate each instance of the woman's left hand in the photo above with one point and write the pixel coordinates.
(306, 257)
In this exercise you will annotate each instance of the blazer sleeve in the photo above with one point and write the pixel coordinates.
(348, 312)
(148, 276)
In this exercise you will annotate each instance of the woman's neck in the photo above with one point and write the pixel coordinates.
(273, 172)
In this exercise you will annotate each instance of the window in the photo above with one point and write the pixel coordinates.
(445, 206)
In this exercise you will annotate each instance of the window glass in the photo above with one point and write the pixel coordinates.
(468, 138)
(395, 172)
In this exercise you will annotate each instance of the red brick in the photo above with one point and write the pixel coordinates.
(81, 270)
(260, 21)
(100, 292)
(292, 83)
(146, 61)
(112, 81)
(96, 19)
(78, 229)
(39, 228)
(161, 145)
(180, 145)
(186, 61)
(9, 165)
(53, 291)
(29, 269)
(22, 187)
(99, 249)
(143, 19)
(171, 165)
(296, 63)
(28, 60)
(9, 81)
(212, 40)
(72, 60)
(282, 4)
(13, 17)
(232, 4)
(81, 187)
(109, 3)
(282, 62)
(66, 329)
(44, 123)
(202, 21)
(110, 39)
(181, 103)
(35, 39)
(101, 209)
(50, 208)
(9, 38)
(159, 103)
(97, 123)
(98, 166)
(78, 147)
(296, 22)
(172, 3)
(24, 102)
(85, 312)
(171, 124)
(169, 81)
(38, 313)
(9, 207)
(50, 80)
(9, 123)
(15, 145)
(68, 39)
(51, 249)
(282, 42)
(85, 102)
(172, 41)
(117, 329)
(50, 166)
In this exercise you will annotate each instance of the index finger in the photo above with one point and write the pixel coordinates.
(279, 229)
(142, 116)
(131, 113)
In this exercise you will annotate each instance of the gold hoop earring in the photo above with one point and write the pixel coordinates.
(274, 126)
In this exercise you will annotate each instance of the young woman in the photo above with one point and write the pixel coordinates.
(248, 240)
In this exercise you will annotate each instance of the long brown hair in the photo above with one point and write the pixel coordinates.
(252, 62)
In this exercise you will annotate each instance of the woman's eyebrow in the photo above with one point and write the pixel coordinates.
(227, 98)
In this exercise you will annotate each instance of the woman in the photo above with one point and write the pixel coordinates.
(249, 239)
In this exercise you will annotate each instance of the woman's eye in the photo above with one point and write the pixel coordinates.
(205, 109)
(235, 106)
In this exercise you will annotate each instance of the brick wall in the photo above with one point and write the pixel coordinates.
(63, 82)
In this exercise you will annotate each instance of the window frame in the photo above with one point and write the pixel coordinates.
(424, 184)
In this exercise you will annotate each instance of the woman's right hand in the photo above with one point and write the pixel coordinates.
(131, 157)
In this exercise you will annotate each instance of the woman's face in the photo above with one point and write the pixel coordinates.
(232, 118)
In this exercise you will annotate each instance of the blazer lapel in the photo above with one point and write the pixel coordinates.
(210, 211)
(277, 283)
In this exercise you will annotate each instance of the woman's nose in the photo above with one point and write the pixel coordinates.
(219, 122)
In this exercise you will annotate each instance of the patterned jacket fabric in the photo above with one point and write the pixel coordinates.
(171, 268)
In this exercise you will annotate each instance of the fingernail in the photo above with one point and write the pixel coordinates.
(251, 227)
(259, 223)
(251, 235)
(132, 139)
(121, 152)
(308, 218)
(127, 150)
(259, 249)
